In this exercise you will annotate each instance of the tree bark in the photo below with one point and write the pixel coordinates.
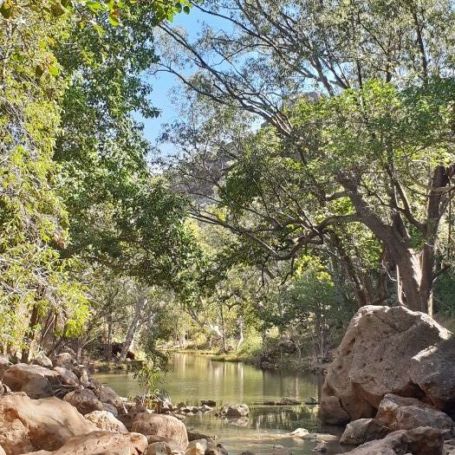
(137, 316)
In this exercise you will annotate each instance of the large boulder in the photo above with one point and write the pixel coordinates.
(84, 400)
(106, 421)
(36, 381)
(420, 441)
(102, 443)
(363, 430)
(388, 350)
(404, 413)
(47, 423)
(161, 425)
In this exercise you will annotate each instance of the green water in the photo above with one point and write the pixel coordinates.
(193, 378)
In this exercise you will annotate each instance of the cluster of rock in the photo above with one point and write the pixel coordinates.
(55, 408)
(393, 383)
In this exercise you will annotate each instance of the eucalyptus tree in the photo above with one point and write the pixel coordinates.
(357, 104)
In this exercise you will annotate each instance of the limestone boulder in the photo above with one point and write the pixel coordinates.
(84, 400)
(163, 426)
(363, 430)
(405, 413)
(27, 425)
(103, 443)
(387, 350)
(420, 441)
(106, 421)
(35, 380)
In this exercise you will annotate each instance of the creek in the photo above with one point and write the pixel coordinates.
(193, 378)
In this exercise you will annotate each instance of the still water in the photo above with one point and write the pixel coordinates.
(193, 378)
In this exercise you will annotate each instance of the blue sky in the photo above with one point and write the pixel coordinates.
(163, 83)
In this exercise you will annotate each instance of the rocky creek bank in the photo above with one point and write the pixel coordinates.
(393, 383)
(56, 407)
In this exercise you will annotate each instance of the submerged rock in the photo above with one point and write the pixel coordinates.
(388, 350)
(235, 410)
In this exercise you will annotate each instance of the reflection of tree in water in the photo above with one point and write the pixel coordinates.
(286, 418)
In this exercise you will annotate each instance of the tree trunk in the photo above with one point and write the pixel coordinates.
(137, 316)
(242, 337)
(30, 335)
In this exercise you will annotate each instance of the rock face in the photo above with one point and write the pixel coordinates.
(163, 426)
(106, 421)
(36, 381)
(420, 441)
(103, 443)
(27, 425)
(402, 413)
(85, 401)
(389, 350)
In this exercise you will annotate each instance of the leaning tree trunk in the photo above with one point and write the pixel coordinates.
(137, 317)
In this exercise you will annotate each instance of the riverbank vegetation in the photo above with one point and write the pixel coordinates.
(311, 174)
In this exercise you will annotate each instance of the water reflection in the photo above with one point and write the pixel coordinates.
(193, 378)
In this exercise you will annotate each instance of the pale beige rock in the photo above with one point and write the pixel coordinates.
(197, 447)
(404, 413)
(27, 425)
(104, 443)
(382, 352)
(161, 425)
(36, 381)
(85, 401)
(106, 421)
